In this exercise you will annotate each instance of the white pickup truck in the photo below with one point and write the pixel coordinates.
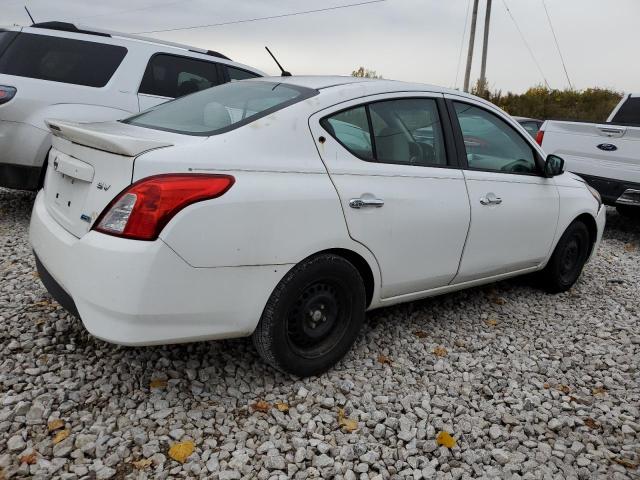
(606, 155)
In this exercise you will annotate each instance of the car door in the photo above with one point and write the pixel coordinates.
(392, 161)
(169, 76)
(514, 208)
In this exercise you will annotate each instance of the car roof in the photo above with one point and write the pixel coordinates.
(374, 85)
(73, 28)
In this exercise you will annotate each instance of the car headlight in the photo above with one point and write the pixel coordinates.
(595, 194)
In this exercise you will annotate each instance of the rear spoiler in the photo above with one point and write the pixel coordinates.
(106, 136)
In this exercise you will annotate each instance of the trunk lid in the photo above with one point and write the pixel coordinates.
(89, 164)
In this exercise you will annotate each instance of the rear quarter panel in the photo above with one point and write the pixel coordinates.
(266, 218)
(282, 208)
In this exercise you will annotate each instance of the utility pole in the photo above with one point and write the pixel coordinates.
(472, 38)
(485, 46)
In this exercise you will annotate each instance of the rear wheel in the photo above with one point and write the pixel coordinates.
(313, 316)
(568, 259)
(629, 211)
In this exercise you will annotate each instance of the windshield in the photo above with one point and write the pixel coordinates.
(222, 108)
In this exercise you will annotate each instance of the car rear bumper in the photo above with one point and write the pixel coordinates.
(611, 189)
(23, 149)
(142, 293)
(55, 289)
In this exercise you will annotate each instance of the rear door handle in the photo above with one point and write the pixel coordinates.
(363, 202)
(490, 199)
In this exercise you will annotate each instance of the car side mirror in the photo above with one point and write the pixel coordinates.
(553, 165)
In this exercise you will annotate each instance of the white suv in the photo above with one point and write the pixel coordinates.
(55, 70)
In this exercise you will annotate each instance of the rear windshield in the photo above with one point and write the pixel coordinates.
(629, 112)
(222, 108)
(60, 59)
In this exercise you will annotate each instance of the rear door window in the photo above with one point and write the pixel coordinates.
(58, 59)
(405, 131)
(351, 129)
(408, 131)
(173, 76)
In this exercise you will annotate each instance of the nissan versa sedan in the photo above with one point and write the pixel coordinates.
(284, 208)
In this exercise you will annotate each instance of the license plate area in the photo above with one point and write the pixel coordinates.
(66, 194)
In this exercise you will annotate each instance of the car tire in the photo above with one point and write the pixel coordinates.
(629, 211)
(313, 316)
(568, 259)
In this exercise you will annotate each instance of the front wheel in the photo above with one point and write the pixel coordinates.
(568, 259)
(312, 317)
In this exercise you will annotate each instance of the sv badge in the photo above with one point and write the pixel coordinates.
(103, 186)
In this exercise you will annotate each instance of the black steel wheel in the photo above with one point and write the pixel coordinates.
(313, 316)
(568, 259)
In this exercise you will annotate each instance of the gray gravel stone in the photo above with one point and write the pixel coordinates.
(104, 473)
(501, 456)
(550, 391)
(274, 462)
(495, 432)
(16, 443)
(229, 475)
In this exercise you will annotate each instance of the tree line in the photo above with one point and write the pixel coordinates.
(588, 105)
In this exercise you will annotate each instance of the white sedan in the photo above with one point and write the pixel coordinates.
(284, 208)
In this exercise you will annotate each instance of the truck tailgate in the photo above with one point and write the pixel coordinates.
(598, 150)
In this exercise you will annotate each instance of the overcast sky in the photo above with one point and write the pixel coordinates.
(414, 40)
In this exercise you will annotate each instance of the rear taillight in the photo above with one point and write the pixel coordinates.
(143, 209)
(539, 137)
(6, 93)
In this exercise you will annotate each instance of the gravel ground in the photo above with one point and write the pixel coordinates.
(529, 386)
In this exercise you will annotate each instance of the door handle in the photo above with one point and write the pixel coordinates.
(363, 202)
(612, 131)
(490, 199)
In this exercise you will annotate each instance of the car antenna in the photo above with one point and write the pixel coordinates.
(33, 22)
(284, 72)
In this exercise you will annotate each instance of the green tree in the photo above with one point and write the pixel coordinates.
(365, 73)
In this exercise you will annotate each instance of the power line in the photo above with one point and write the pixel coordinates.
(504, 2)
(555, 38)
(127, 11)
(306, 12)
(464, 32)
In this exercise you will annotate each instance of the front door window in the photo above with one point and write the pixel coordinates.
(493, 145)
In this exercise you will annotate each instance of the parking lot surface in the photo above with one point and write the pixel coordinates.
(529, 385)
